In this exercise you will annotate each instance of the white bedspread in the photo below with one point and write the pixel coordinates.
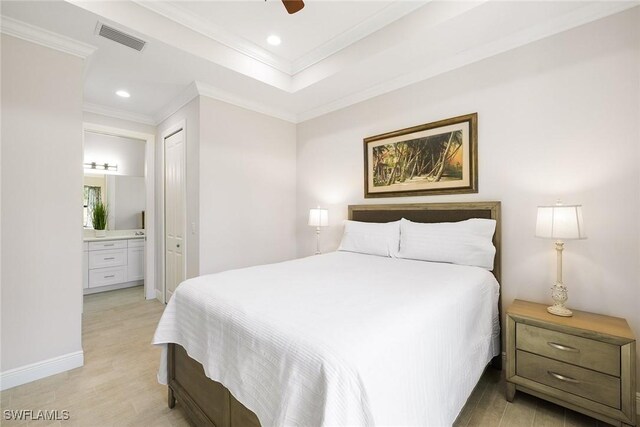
(340, 339)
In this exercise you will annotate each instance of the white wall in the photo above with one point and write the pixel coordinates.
(191, 117)
(41, 143)
(241, 168)
(127, 153)
(129, 202)
(247, 190)
(557, 118)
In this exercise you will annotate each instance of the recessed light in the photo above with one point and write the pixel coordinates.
(123, 94)
(274, 40)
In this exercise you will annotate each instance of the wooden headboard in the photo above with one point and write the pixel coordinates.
(433, 212)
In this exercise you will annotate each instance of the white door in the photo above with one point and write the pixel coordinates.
(174, 211)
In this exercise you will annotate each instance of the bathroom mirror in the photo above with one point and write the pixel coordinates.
(114, 174)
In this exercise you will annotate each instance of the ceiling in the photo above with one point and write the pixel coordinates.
(333, 53)
(319, 26)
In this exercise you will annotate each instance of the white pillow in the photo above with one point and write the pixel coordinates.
(371, 238)
(465, 242)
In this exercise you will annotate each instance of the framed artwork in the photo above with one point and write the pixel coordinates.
(434, 158)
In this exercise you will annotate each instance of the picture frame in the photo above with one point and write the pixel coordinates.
(434, 158)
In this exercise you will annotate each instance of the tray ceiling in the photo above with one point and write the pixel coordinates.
(333, 53)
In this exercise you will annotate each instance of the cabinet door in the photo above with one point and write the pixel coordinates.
(135, 264)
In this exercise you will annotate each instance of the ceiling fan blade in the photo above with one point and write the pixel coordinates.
(293, 6)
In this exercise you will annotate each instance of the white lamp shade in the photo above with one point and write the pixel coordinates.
(318, 217)
(561, 222)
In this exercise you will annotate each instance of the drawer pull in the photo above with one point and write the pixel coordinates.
(563, 378)
(563, 347)
(108, 244)
(109, 258)
(110, 276)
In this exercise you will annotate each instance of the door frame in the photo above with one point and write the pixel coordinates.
(150, 191)
(161, 293)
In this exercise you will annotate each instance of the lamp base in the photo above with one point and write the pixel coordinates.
(559, 296)
(318, 241)
(560, 310)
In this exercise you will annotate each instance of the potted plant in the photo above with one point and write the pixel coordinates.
(99, 218)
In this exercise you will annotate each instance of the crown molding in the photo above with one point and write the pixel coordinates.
(118, 113)
(372, 24)
(197, 88)
(31, 33)
(566, 22)
(177, 103)
(180, 15)
(222, 95)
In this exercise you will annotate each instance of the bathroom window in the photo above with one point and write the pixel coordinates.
(91, 196)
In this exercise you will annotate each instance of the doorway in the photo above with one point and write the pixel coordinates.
(142, 250)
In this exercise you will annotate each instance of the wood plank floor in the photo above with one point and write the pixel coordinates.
(117, 385)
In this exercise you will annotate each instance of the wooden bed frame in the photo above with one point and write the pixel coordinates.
(209, 403)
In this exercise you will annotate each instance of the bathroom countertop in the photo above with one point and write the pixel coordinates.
(100, 239)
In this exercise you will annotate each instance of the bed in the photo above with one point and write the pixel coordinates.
(335, 339)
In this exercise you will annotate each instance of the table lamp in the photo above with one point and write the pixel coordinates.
(318, 217)
(560, 222)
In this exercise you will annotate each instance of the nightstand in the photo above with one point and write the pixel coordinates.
(585, 363)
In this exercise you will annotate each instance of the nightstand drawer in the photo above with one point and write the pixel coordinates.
(573, 379)
(596, 355)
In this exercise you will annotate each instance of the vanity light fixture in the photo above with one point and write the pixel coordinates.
(274, 40)
(123, 93)
(101, 167)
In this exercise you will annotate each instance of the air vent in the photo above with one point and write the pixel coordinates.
(120, 37)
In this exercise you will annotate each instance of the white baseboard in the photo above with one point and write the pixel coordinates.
(132, 284)
(35, 371)
(149, 291)
(159, 295)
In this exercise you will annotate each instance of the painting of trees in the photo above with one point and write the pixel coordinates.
(431, 158)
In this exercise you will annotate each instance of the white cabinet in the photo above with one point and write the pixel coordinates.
(113, 264)
(135, 263)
